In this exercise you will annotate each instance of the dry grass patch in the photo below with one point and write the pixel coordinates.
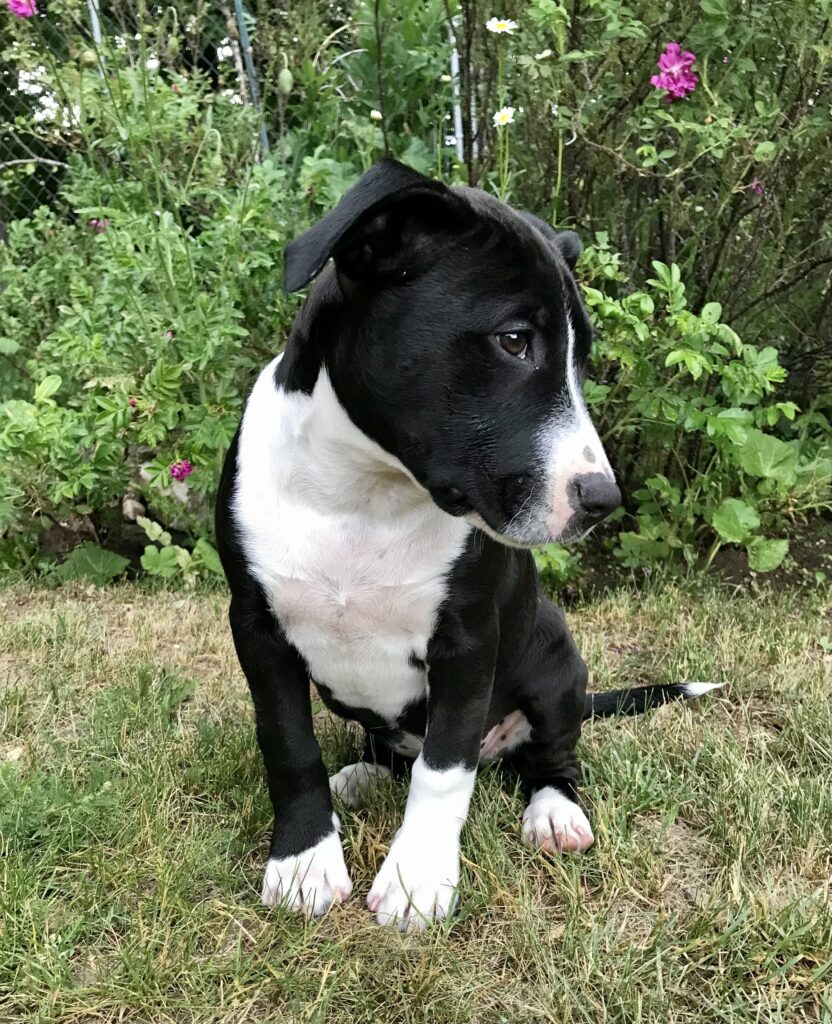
(133, 825)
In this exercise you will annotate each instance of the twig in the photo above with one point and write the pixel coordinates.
(32, 160)
(380, 76)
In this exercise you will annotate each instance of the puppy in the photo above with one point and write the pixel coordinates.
(423, 429)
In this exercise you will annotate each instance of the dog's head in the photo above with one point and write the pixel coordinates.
(455, 337)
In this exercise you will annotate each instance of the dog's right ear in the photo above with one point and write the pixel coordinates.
(374, 230)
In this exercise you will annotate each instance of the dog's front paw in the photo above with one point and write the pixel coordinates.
(417, 883)
(555, 824)
(310, 881)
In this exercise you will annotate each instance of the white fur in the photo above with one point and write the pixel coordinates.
(697, 689)
(554, 823)
(352, 784)
(570, 445)
(310, 881)
(418, 880)
(351, 551)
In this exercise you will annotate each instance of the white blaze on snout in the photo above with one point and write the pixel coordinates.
(571, 445)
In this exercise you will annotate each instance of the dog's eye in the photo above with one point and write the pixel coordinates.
(516, 343)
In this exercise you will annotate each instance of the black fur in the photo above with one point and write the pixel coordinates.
(404, 321)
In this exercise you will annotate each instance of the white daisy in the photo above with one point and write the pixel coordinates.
(504, 116)
(501, 25)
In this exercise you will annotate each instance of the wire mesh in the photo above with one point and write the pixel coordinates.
(41, 128)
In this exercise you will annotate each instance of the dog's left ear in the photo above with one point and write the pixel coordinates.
(375, 230)
(566, 242)
(570, 246)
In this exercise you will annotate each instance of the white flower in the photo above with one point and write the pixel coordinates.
(543, 54)
(501, 25)
(444, 78)
(376, 115)
(503, 117)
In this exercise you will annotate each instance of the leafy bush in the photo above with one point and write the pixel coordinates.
(140, 301)
(690, 415)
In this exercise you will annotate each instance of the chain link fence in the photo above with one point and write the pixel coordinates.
(41, 128)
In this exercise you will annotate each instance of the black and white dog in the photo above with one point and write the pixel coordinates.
(424, 427)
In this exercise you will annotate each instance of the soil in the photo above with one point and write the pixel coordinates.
(808, 564)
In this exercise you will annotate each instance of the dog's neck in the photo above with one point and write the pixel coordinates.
(332, 467)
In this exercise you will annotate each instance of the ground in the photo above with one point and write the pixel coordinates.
(133, 823)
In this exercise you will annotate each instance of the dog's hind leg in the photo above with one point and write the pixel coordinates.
(550, 686)
(354, 782)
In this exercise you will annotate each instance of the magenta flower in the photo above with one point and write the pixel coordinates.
(755, 186)
(676, 78)
(23, 8)
(99, 226)
(181, 469)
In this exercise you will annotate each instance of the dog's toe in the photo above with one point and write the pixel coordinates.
(417, 884)
(310, 881)
(555, 824)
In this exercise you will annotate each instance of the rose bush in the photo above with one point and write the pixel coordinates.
(139, 302)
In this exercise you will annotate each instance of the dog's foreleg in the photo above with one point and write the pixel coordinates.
(306, 869)
(418, 880)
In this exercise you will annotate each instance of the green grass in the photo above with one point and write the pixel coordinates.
(134, 822)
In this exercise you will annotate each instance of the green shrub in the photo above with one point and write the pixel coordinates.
(692, 422)
(140, 303)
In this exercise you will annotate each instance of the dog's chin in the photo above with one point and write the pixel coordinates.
(532, 536)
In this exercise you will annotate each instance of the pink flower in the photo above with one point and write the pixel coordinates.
(132, 403)
(169, 335)
(755, 186)
(181, 469)
(23, 8)
(676, 78)
(99, 226)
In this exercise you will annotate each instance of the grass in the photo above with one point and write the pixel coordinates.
(133, 823)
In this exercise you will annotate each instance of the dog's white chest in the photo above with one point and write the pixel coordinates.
(352, 555)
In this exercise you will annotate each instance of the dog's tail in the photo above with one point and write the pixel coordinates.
(641, 698)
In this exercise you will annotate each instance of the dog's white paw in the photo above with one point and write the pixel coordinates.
(417, 883)
(352, 784)
(310, 881)
(554, 823)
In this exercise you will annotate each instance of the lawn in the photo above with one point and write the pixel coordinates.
(134, 827)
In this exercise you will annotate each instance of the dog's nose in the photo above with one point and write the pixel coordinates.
(597, 495)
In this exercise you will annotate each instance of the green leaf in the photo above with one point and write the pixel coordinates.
(765, 555)
(90, 562)
(734, 520)
(154, 531)
(160, 561)
(208, 556)
(711, 313)
(766, 456)
(764, 151)
(47, 387)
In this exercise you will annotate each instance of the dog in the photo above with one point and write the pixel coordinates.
(423, 429)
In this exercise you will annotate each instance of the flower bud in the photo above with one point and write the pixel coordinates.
(285, 81)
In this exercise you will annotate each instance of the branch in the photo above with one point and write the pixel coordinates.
(32, 160)
(784, 286)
